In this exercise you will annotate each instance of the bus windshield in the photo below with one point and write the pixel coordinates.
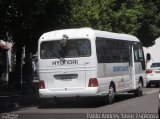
(72, 48)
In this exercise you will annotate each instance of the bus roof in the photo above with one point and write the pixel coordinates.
(84, 33)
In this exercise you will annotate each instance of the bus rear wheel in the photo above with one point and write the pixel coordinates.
(111, 95)
(139, 91)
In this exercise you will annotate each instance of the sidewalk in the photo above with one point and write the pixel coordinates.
(11, 100)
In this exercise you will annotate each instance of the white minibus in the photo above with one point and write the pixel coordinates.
(84, 62)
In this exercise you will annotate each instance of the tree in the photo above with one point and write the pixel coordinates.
(26, 20)
(139, 17)
(84, 13)
(107, 15)
(149, 22)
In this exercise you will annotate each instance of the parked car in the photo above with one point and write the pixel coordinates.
(153, 74)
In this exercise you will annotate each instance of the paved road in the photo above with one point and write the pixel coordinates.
(124, 103)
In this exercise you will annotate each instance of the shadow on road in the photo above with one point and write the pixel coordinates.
(82, 103)
(13, 103)
(19, 102)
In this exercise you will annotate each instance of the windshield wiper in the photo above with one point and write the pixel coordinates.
(58, 56)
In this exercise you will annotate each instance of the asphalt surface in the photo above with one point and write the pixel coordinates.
(124, 103)
(91, 109)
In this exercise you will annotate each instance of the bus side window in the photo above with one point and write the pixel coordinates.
(124, 52)
(116, 50)
(103, 49)
(141, 57)
(138, 55)
(135, 49)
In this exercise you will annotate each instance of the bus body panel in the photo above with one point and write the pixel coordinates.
(72, 77)
(62, 76)
(115, 72)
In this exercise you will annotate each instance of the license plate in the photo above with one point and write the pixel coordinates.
(66, 78)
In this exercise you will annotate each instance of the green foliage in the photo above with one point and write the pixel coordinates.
(150, 22)
(138, 17)
(31, 18)
(110, 15)
(84, 13)
(26, 20)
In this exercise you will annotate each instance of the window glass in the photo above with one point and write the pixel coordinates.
(138, 54)
(155, 65)
(124, 51)
(136, 58)
(116, 50)
(72, 48)
(111, 50)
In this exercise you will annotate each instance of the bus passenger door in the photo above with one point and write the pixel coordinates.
(132, 67)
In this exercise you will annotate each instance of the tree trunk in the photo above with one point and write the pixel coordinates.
(18, 66)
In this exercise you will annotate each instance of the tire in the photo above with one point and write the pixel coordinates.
(159, 112)
(139, 91)
(159, 108)
(157, 85)
(148, 85)
(111, 95)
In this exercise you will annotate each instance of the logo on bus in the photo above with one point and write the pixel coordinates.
(55, 63)
(120, 68)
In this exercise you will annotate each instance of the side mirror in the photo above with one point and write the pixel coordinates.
(148, 56)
